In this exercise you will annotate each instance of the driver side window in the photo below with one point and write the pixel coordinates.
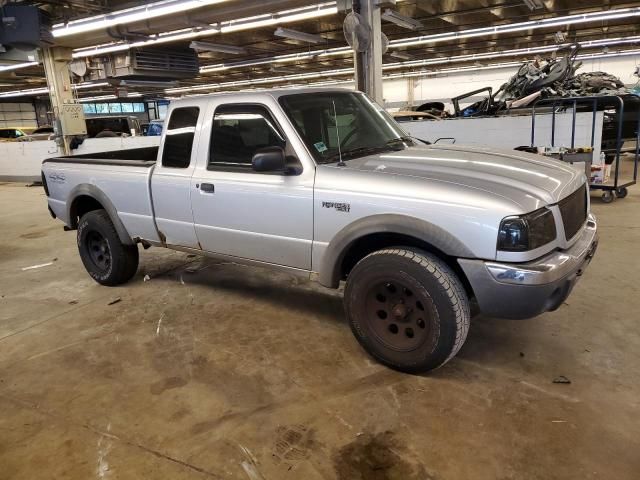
(238, 132)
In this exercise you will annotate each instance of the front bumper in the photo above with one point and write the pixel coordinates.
(525, 290)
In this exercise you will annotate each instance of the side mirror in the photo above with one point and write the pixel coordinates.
(269, 159)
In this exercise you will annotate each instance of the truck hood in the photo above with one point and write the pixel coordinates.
(506, 173)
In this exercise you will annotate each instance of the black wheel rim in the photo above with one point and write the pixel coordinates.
(99, 251)
(399, 314)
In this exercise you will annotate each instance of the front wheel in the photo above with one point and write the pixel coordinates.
(407, 308)
(106, 258)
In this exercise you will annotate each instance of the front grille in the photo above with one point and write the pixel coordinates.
(574, 211)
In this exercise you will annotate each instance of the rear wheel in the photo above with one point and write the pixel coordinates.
(407, 308)
(105, 257)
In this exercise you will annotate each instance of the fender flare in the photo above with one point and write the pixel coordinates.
(329, 273)
(89, 190)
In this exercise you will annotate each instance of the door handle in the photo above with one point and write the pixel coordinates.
(207, 187)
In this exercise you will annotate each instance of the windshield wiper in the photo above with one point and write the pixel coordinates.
(346, 154)
(406, 138)
(417, 140)
(392, 144)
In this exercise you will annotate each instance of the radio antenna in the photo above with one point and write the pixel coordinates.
(335, 119)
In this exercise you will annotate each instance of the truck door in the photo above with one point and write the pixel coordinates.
(265, 216)
(171, 179)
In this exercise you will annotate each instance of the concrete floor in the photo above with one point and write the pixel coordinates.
(227, 372)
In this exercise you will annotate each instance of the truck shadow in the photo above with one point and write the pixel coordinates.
(282, 290)
(489, 341)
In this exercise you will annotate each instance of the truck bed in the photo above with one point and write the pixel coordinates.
(134, 157)
(120, 177)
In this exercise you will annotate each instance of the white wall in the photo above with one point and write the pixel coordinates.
(22, 161)
(490, 131)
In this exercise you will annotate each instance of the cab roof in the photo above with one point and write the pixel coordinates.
(273, 93)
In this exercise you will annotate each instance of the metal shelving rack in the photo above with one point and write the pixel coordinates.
(597, 103)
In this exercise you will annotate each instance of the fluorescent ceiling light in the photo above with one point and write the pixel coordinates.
(85, 85)
(520, 26)
(511, 53)
(44, 90)
(596, 56)
(350, 71)
(329, 8)
(130, 15)
(292, 15)
(472, 68)
(155, 40)
(471, 57)
(248, 23)
(258, 81)
(23, 93)
(299, 36)
(336, 51)
(595, 16)
(434, 61)
(610, 41)
(291, 57)
(408, 59)
(17, 66)
(323, 83)
(401, 20)
(216, 47)
(338, 72)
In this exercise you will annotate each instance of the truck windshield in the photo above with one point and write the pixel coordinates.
(347, 123)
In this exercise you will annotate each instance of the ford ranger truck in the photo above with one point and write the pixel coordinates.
(324, 184)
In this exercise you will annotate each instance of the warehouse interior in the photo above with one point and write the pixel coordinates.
(212, 363)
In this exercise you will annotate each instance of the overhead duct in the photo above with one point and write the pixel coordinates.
(14, 59)
(25, 27)
(144, 63)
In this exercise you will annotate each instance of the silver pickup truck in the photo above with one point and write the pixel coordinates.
(324, 184)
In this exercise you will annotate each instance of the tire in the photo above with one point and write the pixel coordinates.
(622, 192)
(105, 257)
(407, 308)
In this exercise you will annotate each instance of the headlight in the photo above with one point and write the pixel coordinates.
(527, 232)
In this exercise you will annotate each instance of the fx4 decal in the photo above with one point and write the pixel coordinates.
(340, 207)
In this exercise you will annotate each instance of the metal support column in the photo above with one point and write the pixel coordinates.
(368, 64)
(56, 67)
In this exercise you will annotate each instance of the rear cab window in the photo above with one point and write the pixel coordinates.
(178, 140)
